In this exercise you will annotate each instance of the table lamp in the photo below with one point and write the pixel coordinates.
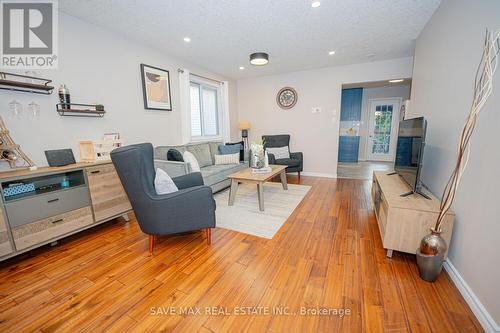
(244, 127)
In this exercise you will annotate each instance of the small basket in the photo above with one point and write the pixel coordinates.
(18, 189)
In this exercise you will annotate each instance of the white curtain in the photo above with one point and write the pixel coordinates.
(184, 88)
(226, 124)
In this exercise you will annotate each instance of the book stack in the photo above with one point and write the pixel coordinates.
(262, 170)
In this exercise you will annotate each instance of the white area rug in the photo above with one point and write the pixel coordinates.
(244, 216)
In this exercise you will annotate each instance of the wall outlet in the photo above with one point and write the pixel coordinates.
(316, 109)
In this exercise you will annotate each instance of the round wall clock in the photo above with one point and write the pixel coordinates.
(286, 98)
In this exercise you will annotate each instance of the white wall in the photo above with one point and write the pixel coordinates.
(316, 135)
(397, 91)
(100, 66)
(447, 55)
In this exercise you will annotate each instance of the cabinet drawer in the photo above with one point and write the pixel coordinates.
(5, 245)
(108, 196)
(27, 235)
(42, 206)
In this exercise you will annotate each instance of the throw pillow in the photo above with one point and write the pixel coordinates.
(193, 162)
(227, 159)
(163, 183)
(279, 153)
(229, 149)
(174, 155)
(242, 149)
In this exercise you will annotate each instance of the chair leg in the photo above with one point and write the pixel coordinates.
(151, 244)
(299, 175)
(208, 231)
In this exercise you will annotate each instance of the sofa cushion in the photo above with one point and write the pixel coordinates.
(214, 149)
(242, 148)
(174, 155)
(288, 161)
(160, 152)
(202, 153)
(216, 173)
(230, 149)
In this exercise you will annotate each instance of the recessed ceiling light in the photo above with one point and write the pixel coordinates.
(315, 4)
(259, 59)
(187, 39)
(331, 53)
(396, 80)
(242, 68)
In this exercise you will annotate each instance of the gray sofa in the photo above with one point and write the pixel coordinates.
(213, 175)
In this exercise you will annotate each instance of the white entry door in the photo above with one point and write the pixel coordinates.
(383, 129)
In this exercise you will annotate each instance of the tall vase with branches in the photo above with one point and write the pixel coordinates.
(430, 255)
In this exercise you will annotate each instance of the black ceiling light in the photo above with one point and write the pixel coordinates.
(259, 58)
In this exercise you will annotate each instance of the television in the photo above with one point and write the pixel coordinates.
(410, 153)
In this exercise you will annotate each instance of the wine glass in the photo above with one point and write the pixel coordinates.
(34, 109)
(16, 109)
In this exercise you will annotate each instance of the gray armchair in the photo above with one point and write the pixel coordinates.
(296, 160)
(190, 208)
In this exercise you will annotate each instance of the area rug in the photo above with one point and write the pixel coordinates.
(244, 216)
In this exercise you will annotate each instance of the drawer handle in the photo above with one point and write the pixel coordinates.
(95, 171)
(57, 221)
(53, 200)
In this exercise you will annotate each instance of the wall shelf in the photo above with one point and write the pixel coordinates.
(82, 110)
(9, 81)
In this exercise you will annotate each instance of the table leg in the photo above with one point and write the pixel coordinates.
(232, 191)
(389, 254)
(283, 180)
(260, 191)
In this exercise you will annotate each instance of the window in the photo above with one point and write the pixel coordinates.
(204, 110)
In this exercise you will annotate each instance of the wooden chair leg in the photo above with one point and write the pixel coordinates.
(151, 244)
(299, 175)
(208, 231)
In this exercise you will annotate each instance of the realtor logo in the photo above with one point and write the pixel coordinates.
(29, 34)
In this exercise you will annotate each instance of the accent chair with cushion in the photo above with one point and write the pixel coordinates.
(294, 163)
(190, 208)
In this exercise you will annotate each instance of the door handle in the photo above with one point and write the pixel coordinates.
(95, 171)
(57, 221)
(53, 200)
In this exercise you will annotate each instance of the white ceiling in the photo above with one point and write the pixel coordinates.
(224, 32)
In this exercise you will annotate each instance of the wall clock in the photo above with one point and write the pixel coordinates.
(286, 98)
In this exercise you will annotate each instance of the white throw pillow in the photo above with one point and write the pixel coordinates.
(227, 159)
(191, 159)
(279, 153)
(163, 183)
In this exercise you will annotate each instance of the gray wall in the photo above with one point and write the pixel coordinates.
(447, 54)
(100, 66)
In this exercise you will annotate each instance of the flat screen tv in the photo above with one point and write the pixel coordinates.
(410, 152)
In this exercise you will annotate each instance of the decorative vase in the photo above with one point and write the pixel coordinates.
(430, 255)
(257, 156)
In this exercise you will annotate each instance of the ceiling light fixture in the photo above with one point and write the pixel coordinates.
(259, 58)
(187, 39)
(396, 80)
(331, 53)
(315, 4)
(242, 68)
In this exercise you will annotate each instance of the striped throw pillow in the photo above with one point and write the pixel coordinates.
(227, 159)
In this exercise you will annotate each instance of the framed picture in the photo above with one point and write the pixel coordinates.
(156, 88)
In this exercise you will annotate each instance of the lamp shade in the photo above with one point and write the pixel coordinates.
(244, 125)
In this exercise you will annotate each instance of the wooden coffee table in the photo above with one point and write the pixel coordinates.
(247, 176)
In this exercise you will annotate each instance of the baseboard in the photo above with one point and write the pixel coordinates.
(482, 315)
(319, 174)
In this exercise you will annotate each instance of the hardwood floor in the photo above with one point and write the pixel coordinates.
(327, 255)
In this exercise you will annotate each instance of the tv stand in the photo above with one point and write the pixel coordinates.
(404, 221)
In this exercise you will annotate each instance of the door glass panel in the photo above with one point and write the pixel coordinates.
(382, 130)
